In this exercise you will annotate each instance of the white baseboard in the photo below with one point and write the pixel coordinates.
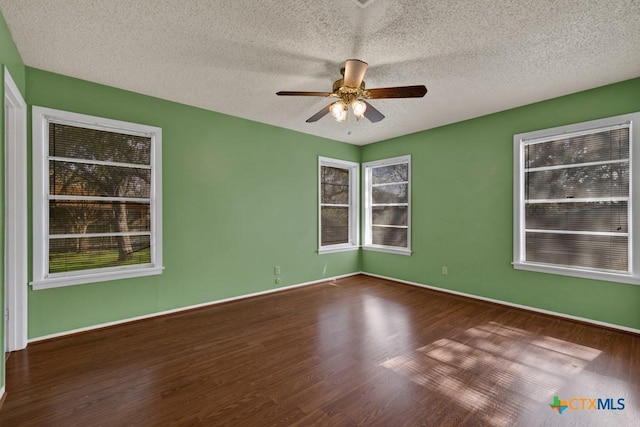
(190, 307)
(510, 304)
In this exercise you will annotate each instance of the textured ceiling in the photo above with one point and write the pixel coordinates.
(231, 56)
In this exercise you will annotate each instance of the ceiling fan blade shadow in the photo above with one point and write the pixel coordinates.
(398, 92)
(296, 93)
(261, 57)
(372, 113)
(320, 114)
(354, 70)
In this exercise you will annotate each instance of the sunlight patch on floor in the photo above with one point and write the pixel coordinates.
(499, 371)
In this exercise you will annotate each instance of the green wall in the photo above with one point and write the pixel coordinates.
(10, 58)
(239, 198)
(462, 211)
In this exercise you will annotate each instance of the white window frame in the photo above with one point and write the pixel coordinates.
(42, 279)
(366, 213)
(354, 205)
(519, 250)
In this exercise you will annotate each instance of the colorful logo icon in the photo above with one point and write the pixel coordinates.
(587, 404)
(559, 405)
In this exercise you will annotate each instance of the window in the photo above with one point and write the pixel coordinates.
(338, 194)
(97, 199)
(387, 212)
(573, 200)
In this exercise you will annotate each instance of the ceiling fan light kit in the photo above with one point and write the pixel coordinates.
(359, 107)
(350, 91)
(339, 111)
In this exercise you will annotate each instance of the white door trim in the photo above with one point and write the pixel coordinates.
(15, 231)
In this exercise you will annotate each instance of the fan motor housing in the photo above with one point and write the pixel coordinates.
(348, 94)
(339, 84)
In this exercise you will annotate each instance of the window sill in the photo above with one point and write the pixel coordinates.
(388, 249)
(582, 273)
(81, 279)
(337, 248)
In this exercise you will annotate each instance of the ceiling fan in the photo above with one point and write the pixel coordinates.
(350, 91)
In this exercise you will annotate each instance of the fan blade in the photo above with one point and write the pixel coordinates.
(398, 92)
(354, 70)
(294, 93)
(372, 114)
(320, 114)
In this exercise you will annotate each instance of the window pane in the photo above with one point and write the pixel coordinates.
(335, 225)
(389, 236)
(78, 179)
(97, 252)
(387, 174)
(335, 194)
(396, 193)
(334, 185)
(389, 215)
(91, 144)
(331, 175)
(600, 146)
(604, 216)
(610, 180)
(81, 217)
(604, 252)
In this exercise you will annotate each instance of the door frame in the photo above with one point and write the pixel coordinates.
(15, 216)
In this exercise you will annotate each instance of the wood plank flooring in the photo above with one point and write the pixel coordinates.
(357, 351)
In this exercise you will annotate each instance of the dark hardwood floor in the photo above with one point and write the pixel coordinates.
(358, 351)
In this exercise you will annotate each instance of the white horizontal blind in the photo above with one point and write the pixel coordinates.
(334, 205)
(99, 199)
(389, 192)
(577, 199)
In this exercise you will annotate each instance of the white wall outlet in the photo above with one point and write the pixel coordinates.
(445, 270)
(276, 270)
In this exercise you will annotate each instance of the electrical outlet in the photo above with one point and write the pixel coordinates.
(445, 270)
(276, 270)
(277, 280)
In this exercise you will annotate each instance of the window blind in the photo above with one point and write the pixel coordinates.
(577, 199)
(334, 205)
(390, 205)
(99, 199)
